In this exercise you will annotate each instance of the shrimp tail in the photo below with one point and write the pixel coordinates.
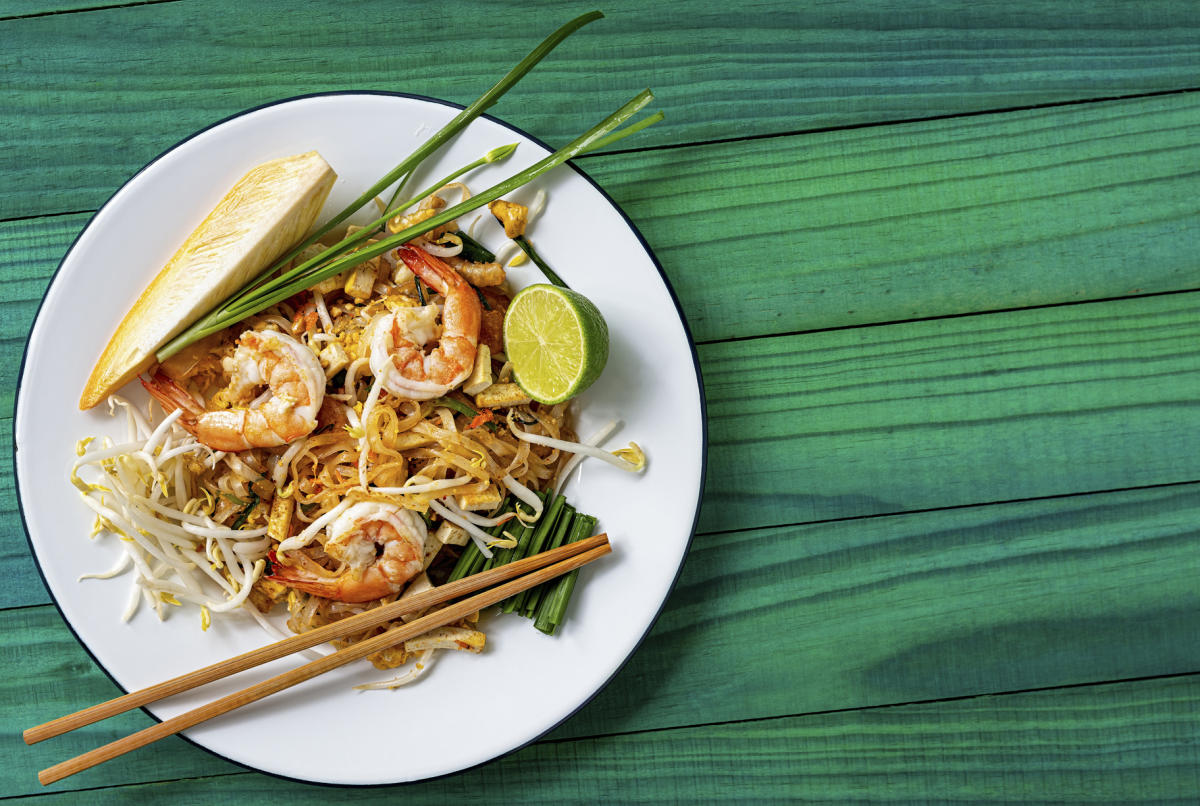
(345, 587)
(172, 396)
(434, 271)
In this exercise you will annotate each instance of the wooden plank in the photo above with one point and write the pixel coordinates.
(25, 583)
(831, 616)
(898, 609)
(952, 412)
(1128, 743)
(873, 225)
(56, 655)
(30, 251)
(17, 9)
(956, 411)
(97, 114)
(926, 219)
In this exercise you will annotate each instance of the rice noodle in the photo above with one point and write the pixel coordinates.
(441, 250)
(199, 526)
(322, 311)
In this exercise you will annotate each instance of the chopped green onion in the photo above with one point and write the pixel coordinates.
(473, 251)
(456, 405)
(245, 513)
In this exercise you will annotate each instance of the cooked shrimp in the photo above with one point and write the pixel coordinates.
(287, 411)
(398, 341)
(381, 546)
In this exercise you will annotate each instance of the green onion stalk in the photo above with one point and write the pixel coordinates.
(257, 298)
(400, 174)
(460, 122)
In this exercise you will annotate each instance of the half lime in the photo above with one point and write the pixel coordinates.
(556, 340)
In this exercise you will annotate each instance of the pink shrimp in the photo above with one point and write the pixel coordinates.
(381, 545)
(295, 390)
(398, 340)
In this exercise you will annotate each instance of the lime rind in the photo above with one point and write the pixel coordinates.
(557, 341)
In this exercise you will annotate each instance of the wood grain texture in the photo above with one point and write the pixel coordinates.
(83, 93)
(925, 219)
(901, 222)
(1131, 743)
(847, 558)
(950, 412)
(795, 620)
(955, 602)
(18, 9)
(945, 412)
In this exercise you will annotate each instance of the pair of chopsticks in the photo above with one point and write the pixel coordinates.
(523, 574)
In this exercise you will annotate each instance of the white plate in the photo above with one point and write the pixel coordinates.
(469, 708)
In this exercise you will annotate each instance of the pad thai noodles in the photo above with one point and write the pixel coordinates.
(338, 450)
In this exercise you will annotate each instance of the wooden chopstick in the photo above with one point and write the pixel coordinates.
(296, 643)
(576, 555)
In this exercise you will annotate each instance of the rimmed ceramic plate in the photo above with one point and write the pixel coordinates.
(467, 709)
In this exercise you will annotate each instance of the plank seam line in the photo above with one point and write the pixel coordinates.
(940, 316)
(185, 778)
(719, 723)
(871, 516)
(17, 219)
(86, 10)
(726, 140)
(883, 706)
(1100, 99)
(951, 507)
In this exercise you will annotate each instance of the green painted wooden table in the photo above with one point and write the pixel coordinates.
(940, 263)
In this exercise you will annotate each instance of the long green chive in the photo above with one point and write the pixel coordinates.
(498, 154)
(523, 535)
(632, 128)
(404, 170)
(279, 289)
(469, 562)
(205, 325)
(460, 122)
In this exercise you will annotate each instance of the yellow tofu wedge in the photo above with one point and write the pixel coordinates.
(268, 210)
